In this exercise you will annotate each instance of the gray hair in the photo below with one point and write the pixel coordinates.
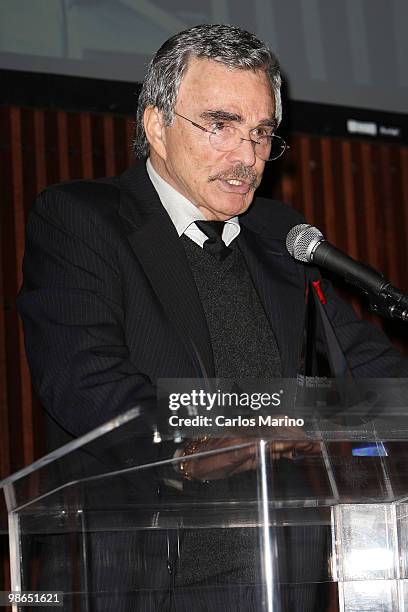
(226, 44)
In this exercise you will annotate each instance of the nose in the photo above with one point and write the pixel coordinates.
(245, 153)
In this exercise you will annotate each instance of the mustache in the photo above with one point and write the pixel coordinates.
(237, 173)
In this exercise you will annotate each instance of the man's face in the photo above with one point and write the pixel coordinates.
(188, 161)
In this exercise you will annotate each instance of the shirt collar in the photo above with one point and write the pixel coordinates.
(184, 213)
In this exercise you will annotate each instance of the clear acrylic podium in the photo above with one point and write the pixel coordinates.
(110, 521)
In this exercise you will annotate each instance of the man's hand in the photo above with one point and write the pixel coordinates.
(226, 463)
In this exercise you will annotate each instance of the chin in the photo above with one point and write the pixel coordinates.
(230, 206)
(228, 213)
(235, 209)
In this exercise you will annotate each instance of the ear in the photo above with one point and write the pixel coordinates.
(155, 130)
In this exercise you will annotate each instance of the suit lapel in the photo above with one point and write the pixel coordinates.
(280, 283)
(160, 251)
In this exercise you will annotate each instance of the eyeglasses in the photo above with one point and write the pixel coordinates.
(226, 137)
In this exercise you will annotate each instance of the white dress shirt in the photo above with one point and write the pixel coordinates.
(184, 213)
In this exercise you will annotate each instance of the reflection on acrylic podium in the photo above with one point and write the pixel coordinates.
(109, 521)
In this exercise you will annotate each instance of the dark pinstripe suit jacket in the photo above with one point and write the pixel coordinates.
(109, 303)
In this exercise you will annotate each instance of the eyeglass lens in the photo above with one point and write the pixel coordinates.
(266, 147)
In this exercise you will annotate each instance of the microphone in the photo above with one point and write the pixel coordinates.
(307, 244)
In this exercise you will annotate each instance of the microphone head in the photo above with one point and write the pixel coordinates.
(302, 240)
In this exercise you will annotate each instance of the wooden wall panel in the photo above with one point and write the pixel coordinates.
(62, 148)
(356, 192)
(109, 146)
(306, 165)
(346, 176)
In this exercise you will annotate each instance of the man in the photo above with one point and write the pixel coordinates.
(126, 282)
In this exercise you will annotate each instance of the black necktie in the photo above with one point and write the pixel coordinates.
(214, 245)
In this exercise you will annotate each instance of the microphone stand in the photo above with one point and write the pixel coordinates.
(384, 299)
(390, 303)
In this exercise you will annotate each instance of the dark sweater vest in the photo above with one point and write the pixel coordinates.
(243, 343)
(244, 346)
